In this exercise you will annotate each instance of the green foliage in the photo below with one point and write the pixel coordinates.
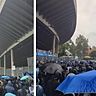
(93, 54)
(81, 46)
(79, 49)
(70, 46)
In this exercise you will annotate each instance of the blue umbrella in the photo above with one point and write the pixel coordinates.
(5, 77)
(9, 94)
(26, 77)
(81, 83)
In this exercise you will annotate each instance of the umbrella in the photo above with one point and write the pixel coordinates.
(52, 68)
(9, 94)
(26, 77)
(81, 83)
(87, 58)
(28, 74)
(12, 77)
(5, 77)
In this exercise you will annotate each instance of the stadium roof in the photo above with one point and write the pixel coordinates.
(57, 18)
(15, 21)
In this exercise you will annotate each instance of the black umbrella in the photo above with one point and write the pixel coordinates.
(53, 68)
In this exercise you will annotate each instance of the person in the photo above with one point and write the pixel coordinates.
(1, 88)
(31, 89)
(87, 94)
(39, 91)
(9, 88)
(22, 91)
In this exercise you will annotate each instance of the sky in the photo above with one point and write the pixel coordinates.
(86, 20)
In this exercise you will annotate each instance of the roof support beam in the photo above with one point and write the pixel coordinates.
(2, 2)
(4, 64)
(18, 42)
(12, 62)
(47, 24)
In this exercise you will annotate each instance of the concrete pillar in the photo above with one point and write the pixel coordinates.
(12, 63)
(57, 47)
(0, 62)
(54, 43)
(4, 64)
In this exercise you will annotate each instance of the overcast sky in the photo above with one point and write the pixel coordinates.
(86, 20)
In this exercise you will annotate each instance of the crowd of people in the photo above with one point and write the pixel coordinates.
(47, 82)
(16, 87)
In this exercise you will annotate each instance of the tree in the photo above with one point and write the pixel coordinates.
(70, 46)
(93, 54)
(81, 46)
